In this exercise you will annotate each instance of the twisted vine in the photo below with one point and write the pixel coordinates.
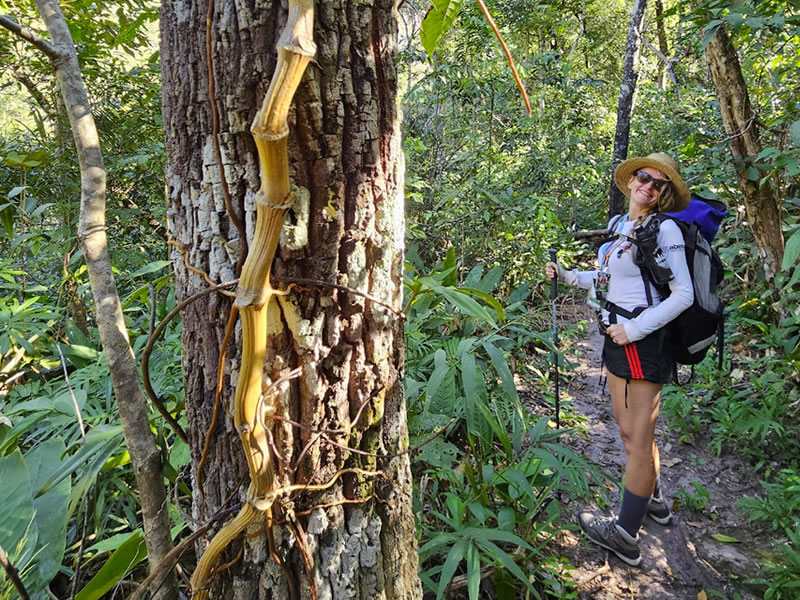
(296, 48)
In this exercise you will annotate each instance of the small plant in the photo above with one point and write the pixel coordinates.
(683, 412)
(697, 500)
(780, 504)
(783, 576)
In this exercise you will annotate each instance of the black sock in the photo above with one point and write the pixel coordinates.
(632, 512)
(657, 488)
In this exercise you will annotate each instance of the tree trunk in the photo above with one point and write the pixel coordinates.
(630, 73)
(739, 119)
(346, 231)
(144, 454)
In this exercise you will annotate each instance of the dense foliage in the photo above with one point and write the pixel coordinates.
(489, 190)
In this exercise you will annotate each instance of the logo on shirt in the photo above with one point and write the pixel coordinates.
(674, 247)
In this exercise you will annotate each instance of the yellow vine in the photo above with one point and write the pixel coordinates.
(270, 131)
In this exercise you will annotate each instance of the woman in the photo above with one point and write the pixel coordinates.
(634, 351)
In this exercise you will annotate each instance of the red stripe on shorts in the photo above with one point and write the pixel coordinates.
(633, 361)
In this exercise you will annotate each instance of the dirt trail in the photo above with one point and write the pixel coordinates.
(682, 559)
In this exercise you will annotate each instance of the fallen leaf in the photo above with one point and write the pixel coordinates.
(671, 462)
(701, 595)
(737, 374)
(720, 537)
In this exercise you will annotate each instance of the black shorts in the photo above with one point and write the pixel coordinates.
(649, 359)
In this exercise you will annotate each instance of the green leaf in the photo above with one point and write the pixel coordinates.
(791, 251)
(491, 279)
(51, 508)
(508, 563)
(110, 543)
(500, 365)
(80, 352)
(102, 441)
(473, 572)
(488, 299)
(152, 267)
(506, 518)
(440, 371)
(18, 533)
(450, 268)
(124, 558)
(439, 453)
(794, 132)
(475, 396)
(20, 427)
(16, 191)
(463, 301)
(448, 570)
(720, 537)
(495, 535)
(440, 17)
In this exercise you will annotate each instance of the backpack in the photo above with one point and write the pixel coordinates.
(693, 332)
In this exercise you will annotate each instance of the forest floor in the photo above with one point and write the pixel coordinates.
(683, 560)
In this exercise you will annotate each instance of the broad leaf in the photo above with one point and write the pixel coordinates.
(436, 23)
(462, 300)
(51, 507)
(18, 532)
(791, 251)
(124, 558)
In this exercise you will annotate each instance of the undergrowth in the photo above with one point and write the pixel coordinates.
(489, 474)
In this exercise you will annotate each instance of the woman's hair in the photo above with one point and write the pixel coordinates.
(668, 199)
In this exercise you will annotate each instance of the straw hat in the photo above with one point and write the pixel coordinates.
(664, 163)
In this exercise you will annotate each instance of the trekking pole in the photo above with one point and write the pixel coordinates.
(553, 294)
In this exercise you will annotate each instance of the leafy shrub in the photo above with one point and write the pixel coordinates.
(488, 472)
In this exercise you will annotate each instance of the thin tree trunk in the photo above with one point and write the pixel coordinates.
(662, 45)
(144, 454)
(627, 89)
(345, 229)
(763, 212)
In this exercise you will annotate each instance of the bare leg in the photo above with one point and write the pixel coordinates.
(636, 418)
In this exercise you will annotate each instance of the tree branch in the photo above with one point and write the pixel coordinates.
(13, 575)
(29, 36)
(667, 62)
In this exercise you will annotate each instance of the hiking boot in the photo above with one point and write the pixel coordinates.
(605, 532)
(659, 510)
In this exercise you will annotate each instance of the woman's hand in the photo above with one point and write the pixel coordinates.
(551, 269)
(617, 334)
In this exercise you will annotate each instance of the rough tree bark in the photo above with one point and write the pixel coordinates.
(346, 229)
(763, 212)
(142, 448)
(627, 89)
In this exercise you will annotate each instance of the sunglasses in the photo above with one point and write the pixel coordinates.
(645, 178)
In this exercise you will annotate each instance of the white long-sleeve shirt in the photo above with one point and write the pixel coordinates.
(626, 288)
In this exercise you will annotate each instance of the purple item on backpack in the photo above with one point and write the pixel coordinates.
(706, 213)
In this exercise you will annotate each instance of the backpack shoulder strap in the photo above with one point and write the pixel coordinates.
(653, 220)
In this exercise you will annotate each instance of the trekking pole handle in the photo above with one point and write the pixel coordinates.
(554, 281)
